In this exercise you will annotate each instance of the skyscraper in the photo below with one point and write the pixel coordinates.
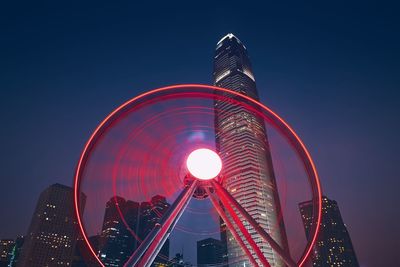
(242, 143)
(210, 252)
(150, 214)
(116, 242)
(333, 246)
(53, 230)
(6, 247)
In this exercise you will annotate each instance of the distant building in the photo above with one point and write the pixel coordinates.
(150, 214)
(53, 230)
(117, 242)
(82, 256)
(210, 252)
(16, 251)
(178, 261)
(224, 241)
(6, 247)
(333, 246)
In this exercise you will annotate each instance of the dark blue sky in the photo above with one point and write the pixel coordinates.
(331, 69)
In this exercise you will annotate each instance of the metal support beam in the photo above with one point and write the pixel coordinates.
(225, 195)
(152, 244)
(230, 226)
(245, 233)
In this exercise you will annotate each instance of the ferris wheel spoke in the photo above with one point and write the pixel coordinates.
(225, 196)
(245, 233)
(152, 244)
(231, 227)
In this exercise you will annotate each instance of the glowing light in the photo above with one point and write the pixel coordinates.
(280, 123)
(204, 164)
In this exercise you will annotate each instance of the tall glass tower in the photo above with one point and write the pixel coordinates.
(333, 246)
(242, 143)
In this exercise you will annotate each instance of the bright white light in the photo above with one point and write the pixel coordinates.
(204, 164)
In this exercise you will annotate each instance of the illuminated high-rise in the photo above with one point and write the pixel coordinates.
(53, 230)
(333, 246)
(117, 243)
(150, 215)
(242, 143)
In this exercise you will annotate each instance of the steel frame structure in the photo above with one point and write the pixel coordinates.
(227, 207)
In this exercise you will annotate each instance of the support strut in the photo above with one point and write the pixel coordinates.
(245, 233)
(225, 195)
(152, 244)
(230, 226)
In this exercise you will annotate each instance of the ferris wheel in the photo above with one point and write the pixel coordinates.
(161, 142)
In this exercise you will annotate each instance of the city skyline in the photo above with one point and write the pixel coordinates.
(114, 244)
(330, 69)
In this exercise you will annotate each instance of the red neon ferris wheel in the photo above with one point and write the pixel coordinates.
(162, 156)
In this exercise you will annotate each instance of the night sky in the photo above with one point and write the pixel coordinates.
(330, 68)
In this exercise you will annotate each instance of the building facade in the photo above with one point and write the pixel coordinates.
(118, 242)
(333, 246)
(6, 248)
(210, 252)
(150, 214)
(83, 256)
(242, 143)
(16, 251)
(53, 230)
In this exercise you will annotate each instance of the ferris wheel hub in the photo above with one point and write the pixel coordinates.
(204, 164)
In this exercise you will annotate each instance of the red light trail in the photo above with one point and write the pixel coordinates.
(200, 92)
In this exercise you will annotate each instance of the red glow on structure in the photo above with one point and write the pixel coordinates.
(245, 233)
(281, 124)
(231, 228)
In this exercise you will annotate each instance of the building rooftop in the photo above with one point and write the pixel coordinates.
(229, 36)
